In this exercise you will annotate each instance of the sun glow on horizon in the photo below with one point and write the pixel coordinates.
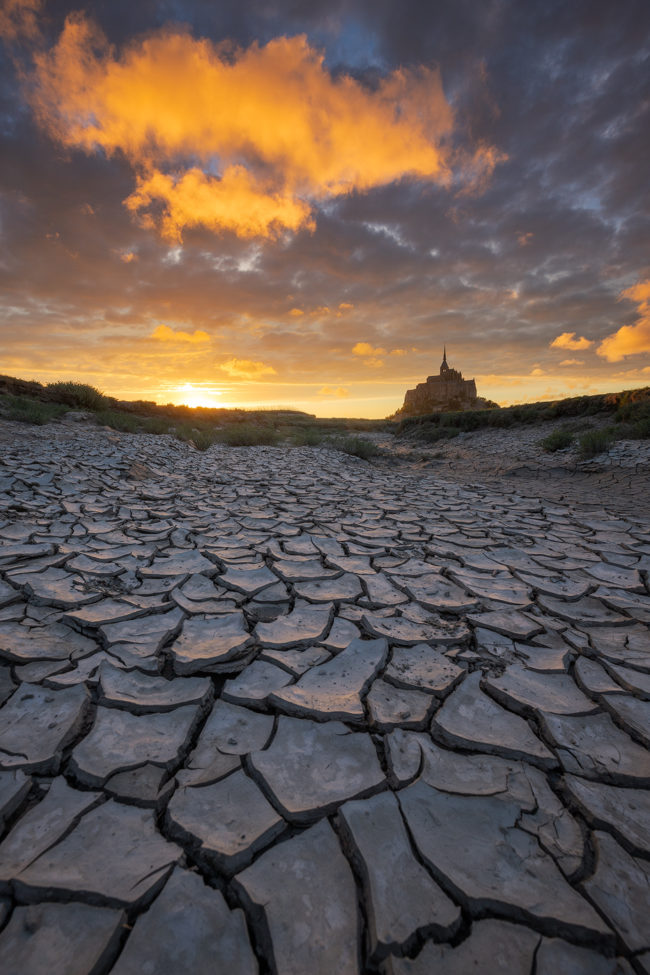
(194, 395)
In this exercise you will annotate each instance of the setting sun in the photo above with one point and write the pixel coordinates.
(190, 395)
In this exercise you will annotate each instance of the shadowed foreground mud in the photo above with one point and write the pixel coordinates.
(281, 710)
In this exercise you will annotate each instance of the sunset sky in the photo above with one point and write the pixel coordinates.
(297, 204)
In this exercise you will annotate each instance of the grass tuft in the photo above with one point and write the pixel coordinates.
(558, 440)
(357, 447)
(595, 442)
(202, 439)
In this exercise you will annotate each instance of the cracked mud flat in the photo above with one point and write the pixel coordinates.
(283, 711)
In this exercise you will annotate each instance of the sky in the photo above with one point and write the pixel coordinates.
(291, 204)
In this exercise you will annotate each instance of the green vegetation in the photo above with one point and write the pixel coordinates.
(633, 414)
(78, 394)
(629, 412)
(248, 435)
(433, 433)
(630, 406)
(640, 430)
(307, 437)
(595, 442)
(357, 447)
(558, 440)
(123, 422)
(202, 439)
(26, 410)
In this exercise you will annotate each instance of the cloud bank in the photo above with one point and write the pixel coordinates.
(293, 249)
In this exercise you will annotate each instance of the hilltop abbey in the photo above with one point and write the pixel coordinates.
(445, 392)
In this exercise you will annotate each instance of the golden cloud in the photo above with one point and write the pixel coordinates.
(365, 348)
(572, 362)
(166, 334)
(233, 202)
(246, 140)
(630, 339)
(340, 391)
(568, 340)
(247, 369)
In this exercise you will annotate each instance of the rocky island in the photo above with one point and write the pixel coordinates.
(448, 391)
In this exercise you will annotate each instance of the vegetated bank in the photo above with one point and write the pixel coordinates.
(620, 416)
(32, 402)
(623, 415)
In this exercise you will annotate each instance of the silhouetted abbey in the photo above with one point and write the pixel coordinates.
(448, 391)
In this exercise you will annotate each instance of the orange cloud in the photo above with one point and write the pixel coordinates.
(296, 312)
(568, 340)
(232, 202)
(166, 334)
(572, 362)
(630, 339)
(365, 348)
(340, 391)
(285, 131)
(128, 256)
(246, 369)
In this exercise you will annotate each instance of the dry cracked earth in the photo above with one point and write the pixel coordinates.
(283, 711)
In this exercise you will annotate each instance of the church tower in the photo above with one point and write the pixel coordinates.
(444, 367)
